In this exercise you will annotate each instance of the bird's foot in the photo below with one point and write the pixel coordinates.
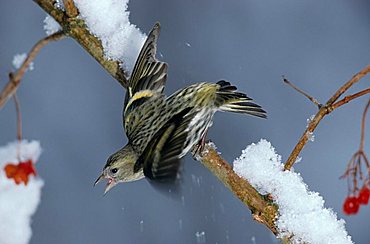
(199, 147)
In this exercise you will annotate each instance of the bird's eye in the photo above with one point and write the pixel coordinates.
(114, 170)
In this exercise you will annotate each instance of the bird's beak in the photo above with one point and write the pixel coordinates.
(111, 183)
(99, 179)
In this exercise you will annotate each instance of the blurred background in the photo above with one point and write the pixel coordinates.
(73, 107)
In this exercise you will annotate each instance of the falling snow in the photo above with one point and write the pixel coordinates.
(200, 237)
(141, 225)
(180, 224)
(253, 240)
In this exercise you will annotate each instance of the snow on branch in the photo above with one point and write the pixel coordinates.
(18, 202)
(19, 59)
(302, 215)
(109, 21)
(50, 25)
(100, 41)
(263, 210)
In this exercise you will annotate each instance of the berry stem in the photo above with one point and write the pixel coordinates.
(19, 125)
(363, 126)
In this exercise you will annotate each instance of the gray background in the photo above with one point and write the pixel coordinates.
(73, 107)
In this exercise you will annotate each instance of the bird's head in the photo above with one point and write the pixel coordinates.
(120, 168)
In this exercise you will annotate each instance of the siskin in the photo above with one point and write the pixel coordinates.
(160, 129)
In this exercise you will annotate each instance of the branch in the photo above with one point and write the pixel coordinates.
(76, 28)
(15, 79)
(70, 8)
(363, 125)
(347, 85)
(312, 99)
(324, 110)
(350, 98)
(263, 210)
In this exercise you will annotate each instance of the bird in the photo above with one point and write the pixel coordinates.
(160, 129)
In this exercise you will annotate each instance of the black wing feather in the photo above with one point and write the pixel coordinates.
(148, 72)
(149, 75)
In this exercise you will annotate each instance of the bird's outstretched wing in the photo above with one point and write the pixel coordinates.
(148, 76)
(161, 158)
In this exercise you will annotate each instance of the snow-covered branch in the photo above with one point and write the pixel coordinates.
(261, 167)
(302, 216)
(101, 39)
(263, 209)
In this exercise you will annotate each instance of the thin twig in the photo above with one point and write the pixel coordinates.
(19, 118)
(348, 84)
(349, 98)
(312, 99)
(19, 125)
(324, 110)
(363, 126)
(15, 79)
(355, 165)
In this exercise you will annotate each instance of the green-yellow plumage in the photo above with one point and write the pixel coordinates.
(160, 129)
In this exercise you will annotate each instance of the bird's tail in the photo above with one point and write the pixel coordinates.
(229, 100)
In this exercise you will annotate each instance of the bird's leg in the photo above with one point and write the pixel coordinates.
(202, 141)
(198, 148)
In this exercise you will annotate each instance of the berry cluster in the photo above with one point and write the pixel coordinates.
(20, 172)
(357, 171)
(352, 203)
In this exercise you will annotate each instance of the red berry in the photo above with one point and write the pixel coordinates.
(20, 172)
(351, 205)
(10, 170)
(363, 197)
